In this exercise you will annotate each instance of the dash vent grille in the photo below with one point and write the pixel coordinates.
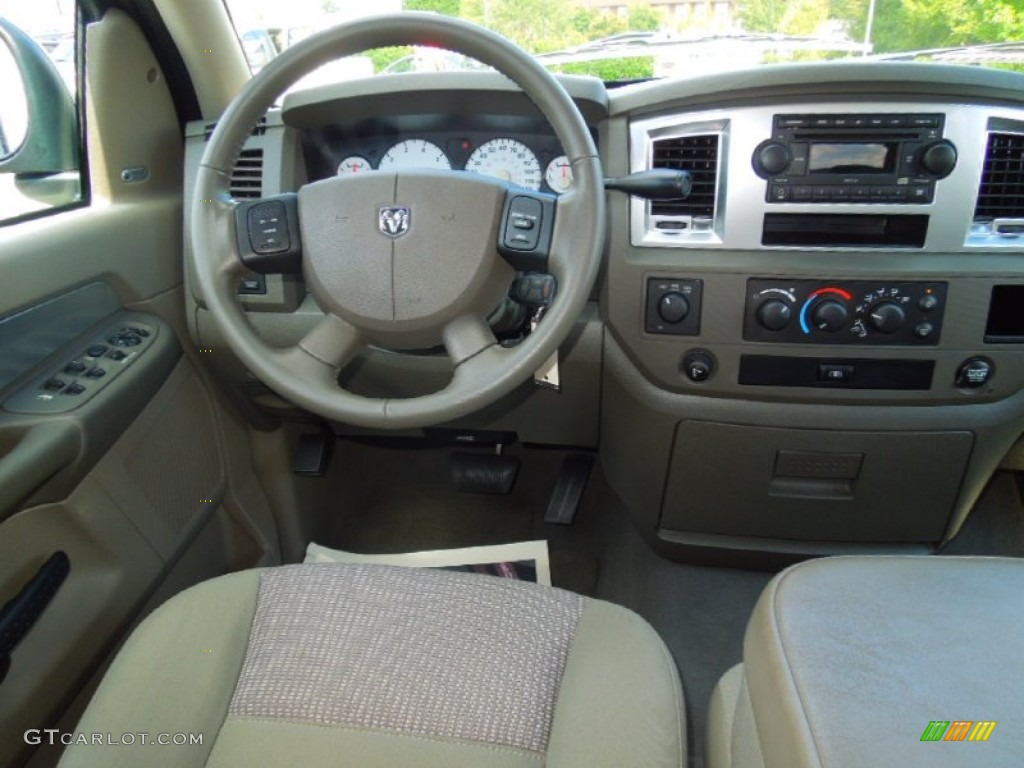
(697, 154)
(1001, 194)
(247, 175)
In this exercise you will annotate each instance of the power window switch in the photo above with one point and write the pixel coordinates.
(118, 354)
(74, 389)
(74, 367)
(96, 373)
(54, 384)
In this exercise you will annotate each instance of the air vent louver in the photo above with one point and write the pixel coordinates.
(1001, 194)
(697, 154)
(247, 175)
(258, 130)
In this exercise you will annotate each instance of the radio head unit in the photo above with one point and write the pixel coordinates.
(859, 158)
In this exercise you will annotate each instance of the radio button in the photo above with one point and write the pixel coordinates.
(919, 194)
(823, 193)
(876, 122)
(802, 193)
(780, 193)
(895, 121)
(840, 194)
(860, 194)
(925, 121)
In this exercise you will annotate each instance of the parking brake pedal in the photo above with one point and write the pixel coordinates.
(492, 473)
(313, 454)
(572, 481)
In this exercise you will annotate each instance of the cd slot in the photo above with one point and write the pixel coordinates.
(845, 230)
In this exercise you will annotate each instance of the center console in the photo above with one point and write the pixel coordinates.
(817, 345)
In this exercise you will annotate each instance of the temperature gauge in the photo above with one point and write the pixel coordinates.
(354, 164)
(559, 174)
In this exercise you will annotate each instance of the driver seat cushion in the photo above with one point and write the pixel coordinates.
(378, 666)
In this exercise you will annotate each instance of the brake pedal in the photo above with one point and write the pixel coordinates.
(572, 481)
(492, 473)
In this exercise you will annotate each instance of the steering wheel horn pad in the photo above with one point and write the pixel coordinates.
(401, 255)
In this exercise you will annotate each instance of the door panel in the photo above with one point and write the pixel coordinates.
(137, 477)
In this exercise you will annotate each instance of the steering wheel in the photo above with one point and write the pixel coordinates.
(406, 259)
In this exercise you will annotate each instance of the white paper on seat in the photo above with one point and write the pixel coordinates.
(496, 559)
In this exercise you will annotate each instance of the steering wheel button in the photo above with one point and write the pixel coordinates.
(265, 236)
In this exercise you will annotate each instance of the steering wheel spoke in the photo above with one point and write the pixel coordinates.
(267, 231)
(467, 336)
(333, 341)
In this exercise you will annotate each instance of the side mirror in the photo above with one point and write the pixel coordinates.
(50, 141)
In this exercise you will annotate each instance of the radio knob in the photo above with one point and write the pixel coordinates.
(774, 314)
(771, 159)
(829, 316)
(939, 159)
(887, 317)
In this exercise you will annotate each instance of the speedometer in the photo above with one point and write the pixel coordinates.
(506, 159)
(414, 153)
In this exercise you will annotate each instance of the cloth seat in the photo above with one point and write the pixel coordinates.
(875, 661)
(373, 666)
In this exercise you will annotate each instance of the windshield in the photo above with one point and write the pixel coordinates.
(618, 40)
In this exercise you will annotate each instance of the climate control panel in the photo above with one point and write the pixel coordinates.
(844, 311)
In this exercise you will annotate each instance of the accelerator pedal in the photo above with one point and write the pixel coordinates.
(572, 481)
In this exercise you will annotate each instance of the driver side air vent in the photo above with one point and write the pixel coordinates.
(697, 154)
(1001, 194)
(247, 175)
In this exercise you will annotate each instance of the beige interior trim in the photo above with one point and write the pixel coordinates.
(214, 58)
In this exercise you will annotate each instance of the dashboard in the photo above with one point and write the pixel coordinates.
(820, 348)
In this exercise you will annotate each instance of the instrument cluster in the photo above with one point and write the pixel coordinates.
(511, 149)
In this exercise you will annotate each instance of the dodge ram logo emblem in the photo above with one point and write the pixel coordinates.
(394, 220)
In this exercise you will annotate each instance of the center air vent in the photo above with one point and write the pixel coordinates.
(697, 154)
(247, 175)
(1001, 195)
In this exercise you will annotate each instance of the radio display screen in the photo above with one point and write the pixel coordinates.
(873, 157)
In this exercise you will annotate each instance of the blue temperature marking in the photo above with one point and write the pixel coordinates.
(804, 326)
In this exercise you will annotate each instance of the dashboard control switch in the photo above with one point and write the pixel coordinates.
(698, 365)
(835, 374)
(924, 330)
(974, 373)
(829, 316)
(774, 314)
(673, 307)
(887, 317)
(928, 302)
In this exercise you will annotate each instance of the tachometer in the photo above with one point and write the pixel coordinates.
(506, 159)
(559, 174)
(414, 153)
(354, 164)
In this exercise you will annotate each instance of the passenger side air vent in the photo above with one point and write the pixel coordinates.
(1001, 194)
(247, 175)
(697, 154)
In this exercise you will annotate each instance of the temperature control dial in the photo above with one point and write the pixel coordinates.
(829, 316)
